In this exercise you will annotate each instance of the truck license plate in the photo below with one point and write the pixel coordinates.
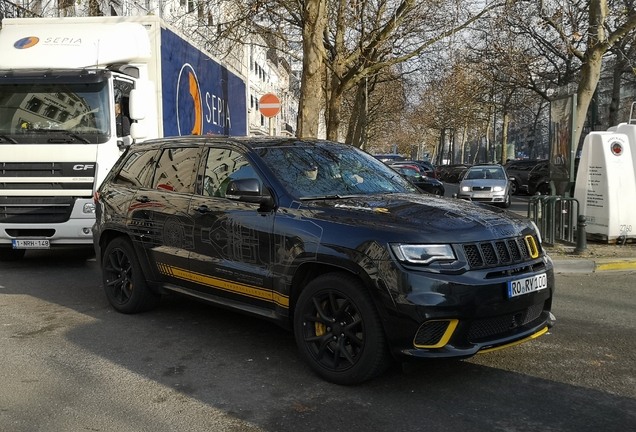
(31, 244)
(527, 285)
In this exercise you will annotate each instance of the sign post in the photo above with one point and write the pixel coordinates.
(269, 106)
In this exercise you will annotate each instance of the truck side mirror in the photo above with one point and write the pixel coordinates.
(138, 100)
(138, 131)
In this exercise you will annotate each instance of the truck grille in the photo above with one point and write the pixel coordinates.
(498, 253)
(35, 209)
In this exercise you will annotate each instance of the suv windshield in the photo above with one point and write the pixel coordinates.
(331, 170)
(43, 109)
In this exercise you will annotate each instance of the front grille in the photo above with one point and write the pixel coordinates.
(35, 210)
(430, 333)
(485, 329)
(497, 253)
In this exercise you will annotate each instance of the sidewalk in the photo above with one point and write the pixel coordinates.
(584, 265)
(598, 257)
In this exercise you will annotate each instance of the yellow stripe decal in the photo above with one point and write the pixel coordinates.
(532, 336)
(225, 285)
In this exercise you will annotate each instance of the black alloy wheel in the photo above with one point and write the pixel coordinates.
(124, 282)
(338, 330)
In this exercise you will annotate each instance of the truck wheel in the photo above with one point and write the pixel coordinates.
(124, 282)
(338, 330)
(10, 254)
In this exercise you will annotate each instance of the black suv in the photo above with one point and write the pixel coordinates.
(518, 172)
(325, 240)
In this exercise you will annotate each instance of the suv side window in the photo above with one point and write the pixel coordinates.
(137, 170)
(176, 170)
(223, 165)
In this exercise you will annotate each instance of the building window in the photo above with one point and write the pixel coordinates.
(190, 6)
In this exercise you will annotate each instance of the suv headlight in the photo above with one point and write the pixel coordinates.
(423, 254)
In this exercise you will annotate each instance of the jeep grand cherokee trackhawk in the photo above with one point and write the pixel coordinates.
(324, 240)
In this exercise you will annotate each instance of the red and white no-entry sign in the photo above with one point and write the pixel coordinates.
(269, 105)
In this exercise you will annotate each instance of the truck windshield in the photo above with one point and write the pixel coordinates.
(49, 112)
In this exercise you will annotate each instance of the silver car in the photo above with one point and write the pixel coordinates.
(487, 184)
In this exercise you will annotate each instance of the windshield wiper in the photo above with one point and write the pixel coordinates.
(330, 196)
(8, 138)
(321, 197)
(64, 140)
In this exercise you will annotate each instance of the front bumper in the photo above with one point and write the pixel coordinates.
(443, 316)
(496, 197)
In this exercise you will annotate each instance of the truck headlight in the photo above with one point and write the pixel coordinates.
(89, 208)
(423, 254)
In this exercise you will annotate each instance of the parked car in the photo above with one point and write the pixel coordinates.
(455, 173)
(518, 171)
(426, 183)
(450, 173)
(322, 239)
(423, 169)
(387, 158)
(487, 184)
(539, 179)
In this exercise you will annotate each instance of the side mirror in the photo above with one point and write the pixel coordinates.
(138, 131)
(247, 190)
(138, 100)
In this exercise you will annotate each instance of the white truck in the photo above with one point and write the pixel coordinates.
(61, 80)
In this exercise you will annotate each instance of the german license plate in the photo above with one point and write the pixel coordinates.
(478, 195)
(527, 285)
(31, 244)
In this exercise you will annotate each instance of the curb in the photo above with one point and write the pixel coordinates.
(594, 266)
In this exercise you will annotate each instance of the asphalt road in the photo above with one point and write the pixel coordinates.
(71, 363)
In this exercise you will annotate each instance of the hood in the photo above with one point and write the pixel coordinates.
(425, 218)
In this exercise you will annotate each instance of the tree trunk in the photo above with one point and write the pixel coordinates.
(356, 128)
(464, 138)
(590, 75)
(619, 67)
(310, 105)
(504, 138)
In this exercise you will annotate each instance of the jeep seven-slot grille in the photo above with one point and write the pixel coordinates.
(496, 253)
(486, 328)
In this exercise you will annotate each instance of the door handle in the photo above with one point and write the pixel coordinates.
(143, 199)
(203, 209)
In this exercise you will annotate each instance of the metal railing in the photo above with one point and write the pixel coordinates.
(555, 216)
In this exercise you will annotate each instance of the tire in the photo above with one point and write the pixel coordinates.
(10, 254)
(338, 330)
(543, 189)
(514, 188)
(506, 203)
(124, 281)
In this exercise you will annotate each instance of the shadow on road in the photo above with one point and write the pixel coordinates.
(251, 368)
